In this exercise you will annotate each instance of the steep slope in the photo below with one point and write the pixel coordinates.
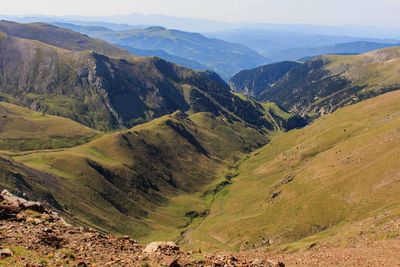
(253, 82)
(23, 129)
(62, 38)
(220, 56)
(327, 83)
(335, 181)
(110, 93)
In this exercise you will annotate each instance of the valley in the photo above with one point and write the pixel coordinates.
(304, 187)
(282, 162)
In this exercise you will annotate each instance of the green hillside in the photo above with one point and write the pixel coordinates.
(328, 182)
(145, 181)
(23, 129)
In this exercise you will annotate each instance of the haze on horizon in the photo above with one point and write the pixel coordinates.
(329, 12)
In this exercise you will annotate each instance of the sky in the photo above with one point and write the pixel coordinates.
(330, 12)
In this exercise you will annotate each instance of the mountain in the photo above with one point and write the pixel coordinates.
(326, 83)
(334, 183)
(61, 38)
(223, 57)
(353, 48)
(85, 29)
(103, 92)
(253, 82)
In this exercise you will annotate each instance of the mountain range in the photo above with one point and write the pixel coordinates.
(212, 26)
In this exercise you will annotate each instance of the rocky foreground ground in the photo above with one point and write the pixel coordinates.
(32, 235)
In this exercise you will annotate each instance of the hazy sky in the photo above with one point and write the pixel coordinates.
(367, 12)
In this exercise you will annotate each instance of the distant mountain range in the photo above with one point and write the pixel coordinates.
(189, 49)
(290, 45)
(208, 26)
(353, 48)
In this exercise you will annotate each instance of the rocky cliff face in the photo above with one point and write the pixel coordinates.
(253, 82)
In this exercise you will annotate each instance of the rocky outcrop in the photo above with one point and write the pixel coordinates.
(160, 246)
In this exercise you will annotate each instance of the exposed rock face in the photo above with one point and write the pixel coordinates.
(255, 81)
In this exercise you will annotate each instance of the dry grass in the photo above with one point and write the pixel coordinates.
(343, 168)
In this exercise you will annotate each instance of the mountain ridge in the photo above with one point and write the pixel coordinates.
(325, 83)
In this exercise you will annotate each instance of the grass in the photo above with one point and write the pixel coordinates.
(22, 252)
(341, 169)
(377, 70)
(22, 129)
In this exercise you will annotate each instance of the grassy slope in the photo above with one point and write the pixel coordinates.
(342, 169)
(23, 129)
(376, 69)
(146, 180)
